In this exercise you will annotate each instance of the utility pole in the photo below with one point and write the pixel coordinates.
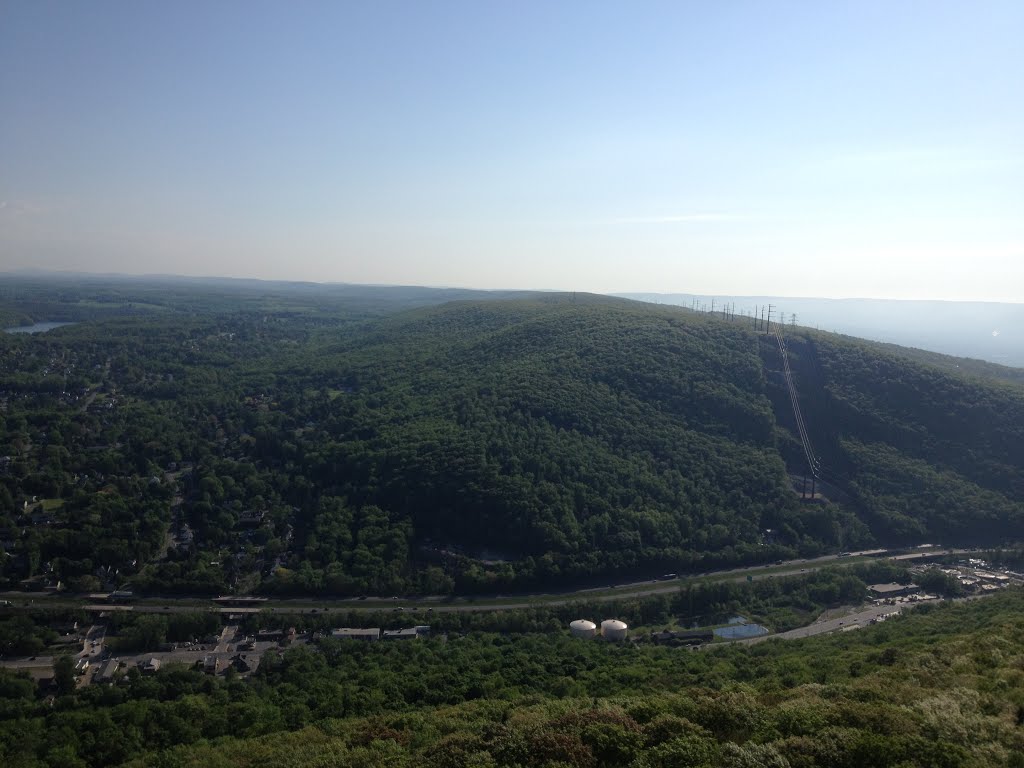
(768, 327)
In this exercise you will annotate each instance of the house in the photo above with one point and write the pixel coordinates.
(399, 634)
(244, 664)
(969, 583)
(251, 517)
(212, 664)
(345, 633)
(107, 671)
(412, 633)
(685, 636)
(892, 590)
(150, 666)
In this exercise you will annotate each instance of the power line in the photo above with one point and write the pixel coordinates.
(805, 440)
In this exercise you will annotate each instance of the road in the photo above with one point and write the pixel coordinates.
(861, 618)
(227, 637)
(34, 662)
(852, 620)
(636, 589)
(445, 604)
(92, 649)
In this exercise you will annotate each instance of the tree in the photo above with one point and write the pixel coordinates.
(64, 674)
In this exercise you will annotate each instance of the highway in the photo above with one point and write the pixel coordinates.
(446, 604)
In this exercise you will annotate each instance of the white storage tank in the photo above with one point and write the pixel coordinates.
(613, 629)
(583, 628)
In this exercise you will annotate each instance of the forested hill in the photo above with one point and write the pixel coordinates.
(280, 443)
(923, 447)
(575, 435)
(578, 434)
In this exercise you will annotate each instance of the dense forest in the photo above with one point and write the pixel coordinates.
(204, 438)
(920, 452)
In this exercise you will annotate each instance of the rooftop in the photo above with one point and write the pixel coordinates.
(356, 633)
(883, 589)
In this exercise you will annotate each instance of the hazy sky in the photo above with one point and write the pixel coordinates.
(794, 148)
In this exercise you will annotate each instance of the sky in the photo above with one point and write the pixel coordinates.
(838, 149)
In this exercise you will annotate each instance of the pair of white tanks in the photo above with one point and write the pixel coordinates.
(611, 629)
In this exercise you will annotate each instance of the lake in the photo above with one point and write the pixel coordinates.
(37, 328)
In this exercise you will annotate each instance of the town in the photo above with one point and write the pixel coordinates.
(228, 648)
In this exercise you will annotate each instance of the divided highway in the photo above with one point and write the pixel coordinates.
(441, 604)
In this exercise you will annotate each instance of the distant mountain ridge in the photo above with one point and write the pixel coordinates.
(989, 331)
(983, 330)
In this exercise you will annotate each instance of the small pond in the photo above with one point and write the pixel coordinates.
(739, 628)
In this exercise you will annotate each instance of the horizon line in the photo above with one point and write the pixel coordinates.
(627, 294)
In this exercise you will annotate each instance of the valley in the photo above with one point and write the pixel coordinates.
(208, 490)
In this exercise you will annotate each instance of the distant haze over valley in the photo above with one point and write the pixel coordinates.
(983, 330)
(990, 331)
